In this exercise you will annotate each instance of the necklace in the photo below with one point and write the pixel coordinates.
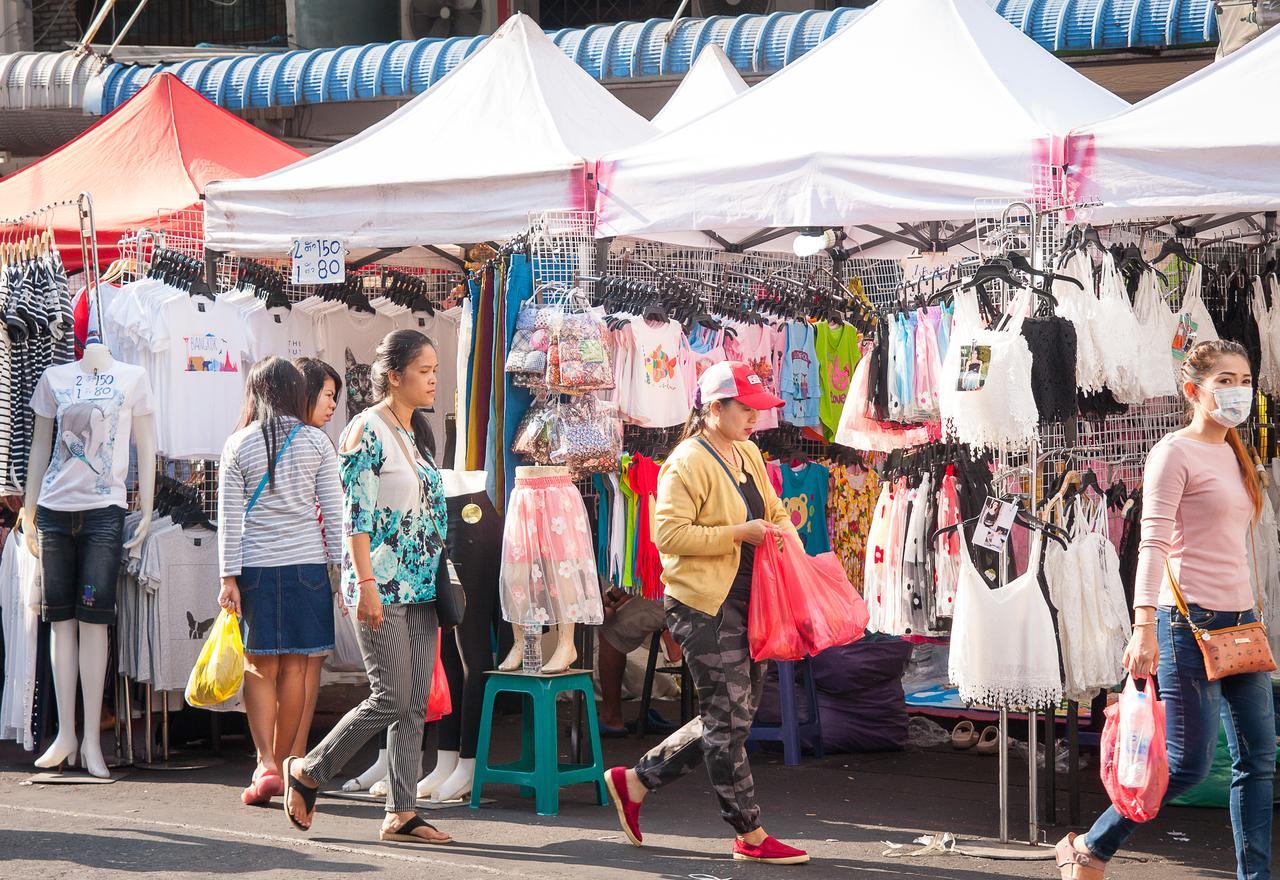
(391, 410)
(734, 458)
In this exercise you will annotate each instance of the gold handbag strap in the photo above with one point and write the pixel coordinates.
(1178, 597)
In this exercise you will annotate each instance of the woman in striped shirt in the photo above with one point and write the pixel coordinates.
(273, 554)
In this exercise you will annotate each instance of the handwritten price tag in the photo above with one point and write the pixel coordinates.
(318, 261)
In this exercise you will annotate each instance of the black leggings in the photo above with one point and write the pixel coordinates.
(475, 548)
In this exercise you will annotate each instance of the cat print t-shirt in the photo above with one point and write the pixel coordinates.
(659, 376)
(200, 347)
(837, 350)
(798, 382)
(93, 421)
(348, 340)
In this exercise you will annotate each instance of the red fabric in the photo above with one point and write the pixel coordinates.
(800, 604)
(1137, 805)
(644, 480)
(151, 155)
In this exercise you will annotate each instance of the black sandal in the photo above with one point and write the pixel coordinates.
(306, 792)
(404, 834)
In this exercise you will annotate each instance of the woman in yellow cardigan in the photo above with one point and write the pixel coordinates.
(715, 506)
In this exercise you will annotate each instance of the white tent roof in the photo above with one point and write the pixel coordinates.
(514, 129)
(1207, 144)
(712, 81)
(910, 114)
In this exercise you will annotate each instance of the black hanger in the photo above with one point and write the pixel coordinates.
(1172, 248)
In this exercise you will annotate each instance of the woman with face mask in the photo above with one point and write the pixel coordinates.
(1201, 495)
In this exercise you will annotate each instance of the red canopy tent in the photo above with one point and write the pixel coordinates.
(152, 155)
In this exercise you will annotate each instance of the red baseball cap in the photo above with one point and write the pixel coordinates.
(737, 381)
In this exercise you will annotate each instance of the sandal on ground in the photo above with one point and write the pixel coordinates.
(405, 833)
(1077, 865)
(262, 789)
(305, 792)
(989, 742)
(964, 735)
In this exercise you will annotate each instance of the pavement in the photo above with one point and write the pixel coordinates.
(845, 809)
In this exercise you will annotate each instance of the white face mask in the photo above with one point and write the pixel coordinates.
(1233, 405)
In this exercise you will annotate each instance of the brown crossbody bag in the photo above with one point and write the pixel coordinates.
(1232, 650)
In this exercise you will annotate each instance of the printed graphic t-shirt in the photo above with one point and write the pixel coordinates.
(659, 377)
(201, 345)
(798, 381)
(93, 413)
(348, 340)
(804, 495)
(837, 349)
(755, 345)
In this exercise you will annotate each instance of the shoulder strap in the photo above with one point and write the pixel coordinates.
(1178, 598)
(257, 493)
(410, 459)
(733, 480)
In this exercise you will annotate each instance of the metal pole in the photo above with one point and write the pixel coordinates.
(1004, 774)
(94, 26)
(128, 716)
(142, 4)
(150, 733)
(164, 725)
(1033, 780)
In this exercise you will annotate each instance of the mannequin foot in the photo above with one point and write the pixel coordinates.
(365, 780)
(91, 758)
(514, 660)
(63, 750)
(445, 764)
(562, 659)
(458, 785)
(380, 788)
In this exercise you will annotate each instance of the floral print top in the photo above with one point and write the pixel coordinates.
(400, 507)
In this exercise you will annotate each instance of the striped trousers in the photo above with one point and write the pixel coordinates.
(399, 659)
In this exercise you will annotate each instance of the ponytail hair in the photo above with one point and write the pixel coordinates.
(695, 424)
(1197, 366)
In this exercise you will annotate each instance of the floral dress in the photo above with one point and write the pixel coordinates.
(399, 505)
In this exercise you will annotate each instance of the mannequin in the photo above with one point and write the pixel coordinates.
(79, 646)
(566, 651)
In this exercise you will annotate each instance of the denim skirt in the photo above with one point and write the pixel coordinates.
(288, 609)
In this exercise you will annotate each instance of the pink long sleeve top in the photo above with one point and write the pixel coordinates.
(1196, 513)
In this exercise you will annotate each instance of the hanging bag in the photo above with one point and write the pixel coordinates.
(219, 669)
(1232, 650)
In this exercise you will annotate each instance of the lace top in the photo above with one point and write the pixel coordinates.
(1003, 649)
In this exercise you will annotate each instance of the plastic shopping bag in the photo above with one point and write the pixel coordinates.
(800, 605)
(439, 702)
(1135, 764)
(219, 669)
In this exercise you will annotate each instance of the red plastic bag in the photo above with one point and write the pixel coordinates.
(439, 703)
(800, 604)
(1136, 804)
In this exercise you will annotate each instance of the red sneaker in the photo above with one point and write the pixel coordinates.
(628, 810)
(770, 850)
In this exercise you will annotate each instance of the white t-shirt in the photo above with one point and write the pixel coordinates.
(655, 374)
(201, 380)
(94, 413)
(286, 333)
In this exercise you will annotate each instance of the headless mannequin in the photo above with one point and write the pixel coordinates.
(75, 646)
(566, 651)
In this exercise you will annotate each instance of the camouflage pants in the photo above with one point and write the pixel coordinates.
(728, 685)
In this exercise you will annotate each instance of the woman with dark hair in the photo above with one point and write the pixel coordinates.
(715, 506)
(1201, 499)
(395, 523)
(273, 552)
(322, 387)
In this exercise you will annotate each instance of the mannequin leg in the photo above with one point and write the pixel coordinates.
(566, 651)
(64, 649)
(93, 675)
(376, 772)
(515, 659)
(458, 785)
(446, 763)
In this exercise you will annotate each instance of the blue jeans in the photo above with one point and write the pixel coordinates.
(80, 562)
(1193, 706)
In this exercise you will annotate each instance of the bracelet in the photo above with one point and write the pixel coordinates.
(367, 580)
(1145, 623)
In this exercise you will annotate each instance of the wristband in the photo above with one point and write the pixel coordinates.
(364, 581)
(1145, 623)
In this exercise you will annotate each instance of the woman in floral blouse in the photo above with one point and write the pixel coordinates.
(395, 523)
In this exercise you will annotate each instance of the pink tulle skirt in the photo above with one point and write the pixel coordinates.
(548, 556)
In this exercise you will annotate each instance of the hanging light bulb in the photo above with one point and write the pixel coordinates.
(808, 245)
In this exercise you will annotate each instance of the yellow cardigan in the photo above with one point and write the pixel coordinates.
(698, 506)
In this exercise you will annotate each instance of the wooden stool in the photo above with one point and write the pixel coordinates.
(538, 770)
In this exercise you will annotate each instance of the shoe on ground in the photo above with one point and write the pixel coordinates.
(628, 810)
(770, 851)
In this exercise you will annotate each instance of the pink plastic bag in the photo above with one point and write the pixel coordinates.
(800, 604)
(1138, 805)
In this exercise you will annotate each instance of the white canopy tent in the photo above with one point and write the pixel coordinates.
(712, 81)
(515, 129)
(1205, 145)
(911, 114)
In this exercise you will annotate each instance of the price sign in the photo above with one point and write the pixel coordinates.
(318, 261)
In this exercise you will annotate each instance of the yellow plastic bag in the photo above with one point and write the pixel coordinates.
(219, 669)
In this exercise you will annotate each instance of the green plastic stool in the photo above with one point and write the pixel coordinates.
(538, 771)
